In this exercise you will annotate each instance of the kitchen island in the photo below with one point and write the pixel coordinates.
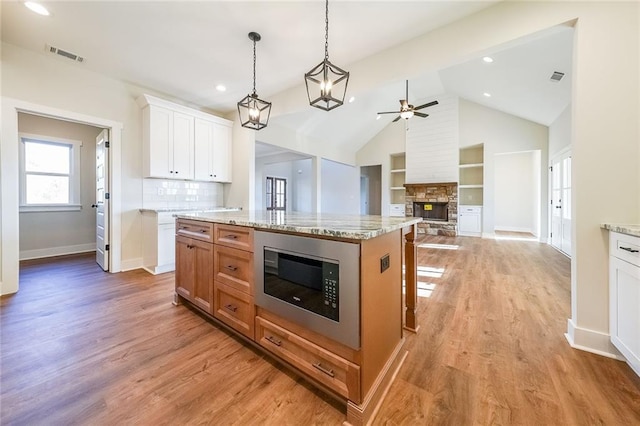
(323, 293)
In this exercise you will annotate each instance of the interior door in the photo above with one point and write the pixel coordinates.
(102, 200)
(561, 202)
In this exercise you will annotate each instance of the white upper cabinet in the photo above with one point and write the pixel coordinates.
(212, 151)
(183, 143)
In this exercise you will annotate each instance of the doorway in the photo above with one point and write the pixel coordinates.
(371, 190)
(9, 174)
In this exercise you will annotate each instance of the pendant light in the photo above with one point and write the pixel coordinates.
(326, 83)
(254, 112)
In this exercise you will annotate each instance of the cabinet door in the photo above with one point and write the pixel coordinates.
(203, 161)
(183, 146)
(160, 142)
(469, 222)
(203, 275)
(624, 299)
(166, 244)
(221, 153)
(184, 268)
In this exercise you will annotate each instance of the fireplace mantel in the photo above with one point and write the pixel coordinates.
(441, 192)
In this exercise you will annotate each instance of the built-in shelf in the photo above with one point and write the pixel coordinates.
(397, 169)
(471, 176)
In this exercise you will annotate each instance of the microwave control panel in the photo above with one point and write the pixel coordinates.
(330, 285)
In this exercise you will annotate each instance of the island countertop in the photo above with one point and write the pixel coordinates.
(622, 229)
(331, 225)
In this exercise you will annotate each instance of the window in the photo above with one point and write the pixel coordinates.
(276, 193)
(49, 174)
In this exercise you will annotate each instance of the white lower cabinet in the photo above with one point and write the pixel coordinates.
(624, 296)
(470, 221)
(159, 235)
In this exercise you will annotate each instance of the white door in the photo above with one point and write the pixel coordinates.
(102, 200)
(561, 202)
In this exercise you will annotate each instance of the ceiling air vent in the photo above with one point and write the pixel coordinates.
(63, 53)
(556, 76)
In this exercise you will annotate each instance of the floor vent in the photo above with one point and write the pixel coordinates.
(63, 53)
(556, 76)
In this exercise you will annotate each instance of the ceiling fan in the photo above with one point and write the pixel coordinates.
(407, 110)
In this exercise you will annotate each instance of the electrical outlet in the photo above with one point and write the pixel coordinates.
(160, 191)
(384, 263)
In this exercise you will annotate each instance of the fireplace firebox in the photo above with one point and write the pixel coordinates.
(431, 210)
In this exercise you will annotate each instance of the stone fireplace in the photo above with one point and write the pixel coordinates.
(437, 204)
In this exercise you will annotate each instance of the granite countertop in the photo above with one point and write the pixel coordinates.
(192, 209)
(623, 229)
(332, 225)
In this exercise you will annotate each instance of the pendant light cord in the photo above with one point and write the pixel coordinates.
(254, 67)
(326, 31)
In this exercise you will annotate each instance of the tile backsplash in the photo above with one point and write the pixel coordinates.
(178, 194)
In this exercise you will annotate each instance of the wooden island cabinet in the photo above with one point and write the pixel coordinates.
(216, 273)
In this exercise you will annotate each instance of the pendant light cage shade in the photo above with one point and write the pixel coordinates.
(326, 85)
(254, 113)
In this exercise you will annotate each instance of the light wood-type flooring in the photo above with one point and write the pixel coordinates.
(84, 347)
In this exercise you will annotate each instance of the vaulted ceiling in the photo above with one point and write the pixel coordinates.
(184, 49)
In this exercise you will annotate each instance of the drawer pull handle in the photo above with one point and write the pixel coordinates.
(184, 227)
(274, 340)
(325, 370)
(204, 231)
(231, 307)
(231, 236)
(231, 268)
(629, 249)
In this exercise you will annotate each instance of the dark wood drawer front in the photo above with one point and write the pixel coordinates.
(234, 268)
(338, 374)
(198, 230)
(234, 308)
(240, 237)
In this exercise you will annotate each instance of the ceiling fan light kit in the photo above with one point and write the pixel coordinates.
(407, 110)
(254, 112)
(326, 83)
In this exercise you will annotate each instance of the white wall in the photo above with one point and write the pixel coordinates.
(501, 133)
(45, 234)
(391, 140)
(560, 134)
(340, 191)
(517, 191)
(302, 186)
(432, 144)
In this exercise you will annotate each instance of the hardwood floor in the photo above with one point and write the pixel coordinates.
(80, 346)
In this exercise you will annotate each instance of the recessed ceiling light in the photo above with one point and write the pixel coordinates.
(487, 95)
(378, 117)
(488, 59)
(351, 99)
(221, 88)
(37, 8)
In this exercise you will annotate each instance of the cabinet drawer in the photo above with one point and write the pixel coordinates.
(240, 237)
(234, 268)
(625, 247)
(338, 374)
(234, 308)
(195, 229)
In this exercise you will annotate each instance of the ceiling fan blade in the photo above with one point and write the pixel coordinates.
(420, 114)
(427, 105)
(388, 112)
(396, 119)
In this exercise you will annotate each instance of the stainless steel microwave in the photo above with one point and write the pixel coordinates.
(310, 281)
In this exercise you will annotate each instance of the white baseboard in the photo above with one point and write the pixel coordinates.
(131, 264)
(57, 251)
(591, 341)
(513, 229)
(488, 235)
(155, 270)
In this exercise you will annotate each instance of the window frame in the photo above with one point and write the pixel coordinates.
(74, 203)
(271, 194)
